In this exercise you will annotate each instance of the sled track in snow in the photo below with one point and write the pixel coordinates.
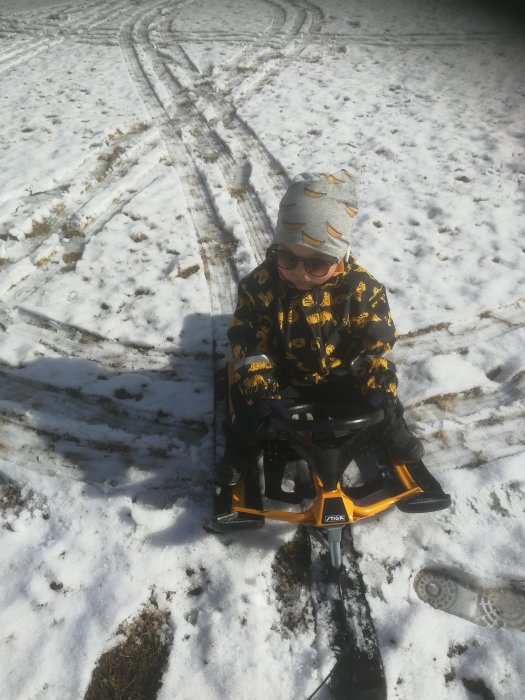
(96, 429)
(211, 237)
(454, 425)
(52, 26)
(89, 209)
(418, 40)
(186, 129)
(488, 326)
(204, 119)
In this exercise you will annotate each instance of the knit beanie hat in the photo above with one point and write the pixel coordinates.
(318, 211)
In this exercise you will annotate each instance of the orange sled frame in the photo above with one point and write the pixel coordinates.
(331, 508)
(330, 505)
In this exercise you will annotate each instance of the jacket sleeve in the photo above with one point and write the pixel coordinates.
(250, 335)
(375, 334)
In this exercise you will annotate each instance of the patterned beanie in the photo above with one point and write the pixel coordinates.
(318, 211)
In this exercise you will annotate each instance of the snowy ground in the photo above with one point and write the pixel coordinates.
(144, 148)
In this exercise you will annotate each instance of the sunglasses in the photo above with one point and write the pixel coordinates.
(317, 267)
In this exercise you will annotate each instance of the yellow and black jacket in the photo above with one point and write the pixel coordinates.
(282, 336)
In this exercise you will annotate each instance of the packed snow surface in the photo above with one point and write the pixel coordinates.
(144, 148)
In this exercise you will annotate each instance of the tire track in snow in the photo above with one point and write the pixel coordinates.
(193, 109)
(466, 429)
(89, 416)
(205, 103)
(89, 209)
(197, 106)
(192, 140)
(111, 459)
(87, 408)
(62, 340)
(168, 370)
(205, 119)
(261, 61)
(447, 337)
(44, 33)
(164, 366)
(153, 84)
(362, 38)
(57, 20)
(404, 40)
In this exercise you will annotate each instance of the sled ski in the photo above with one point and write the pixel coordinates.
(322, 440)
(487, 604)
(358, 673)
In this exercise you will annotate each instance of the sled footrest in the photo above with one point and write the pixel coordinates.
(227, 520)
(425, 502)
(433, 497)
(232, 522)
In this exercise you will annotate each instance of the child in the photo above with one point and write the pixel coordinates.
(309, 318)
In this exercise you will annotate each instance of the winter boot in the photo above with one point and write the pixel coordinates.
(399, 441)
(234, 463)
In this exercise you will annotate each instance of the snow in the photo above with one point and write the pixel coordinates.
(144, 150)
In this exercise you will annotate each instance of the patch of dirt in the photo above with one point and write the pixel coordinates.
(14, 500)
(188, 271)
(133, 669)
(390, 567)
(457, 650)
(291, 582)
(447, 402)
(423, 331)
(11, 497)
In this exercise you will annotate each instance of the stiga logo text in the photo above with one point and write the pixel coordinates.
(334, 518)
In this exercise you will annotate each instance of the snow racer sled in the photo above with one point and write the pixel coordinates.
(303, 479)
(325, 439)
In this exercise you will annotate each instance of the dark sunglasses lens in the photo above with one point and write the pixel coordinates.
(317, 267)
(286, 260)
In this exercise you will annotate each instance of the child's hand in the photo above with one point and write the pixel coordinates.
(389, 405)
(262, 409)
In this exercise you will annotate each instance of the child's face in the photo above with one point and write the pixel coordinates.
(297, 274)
